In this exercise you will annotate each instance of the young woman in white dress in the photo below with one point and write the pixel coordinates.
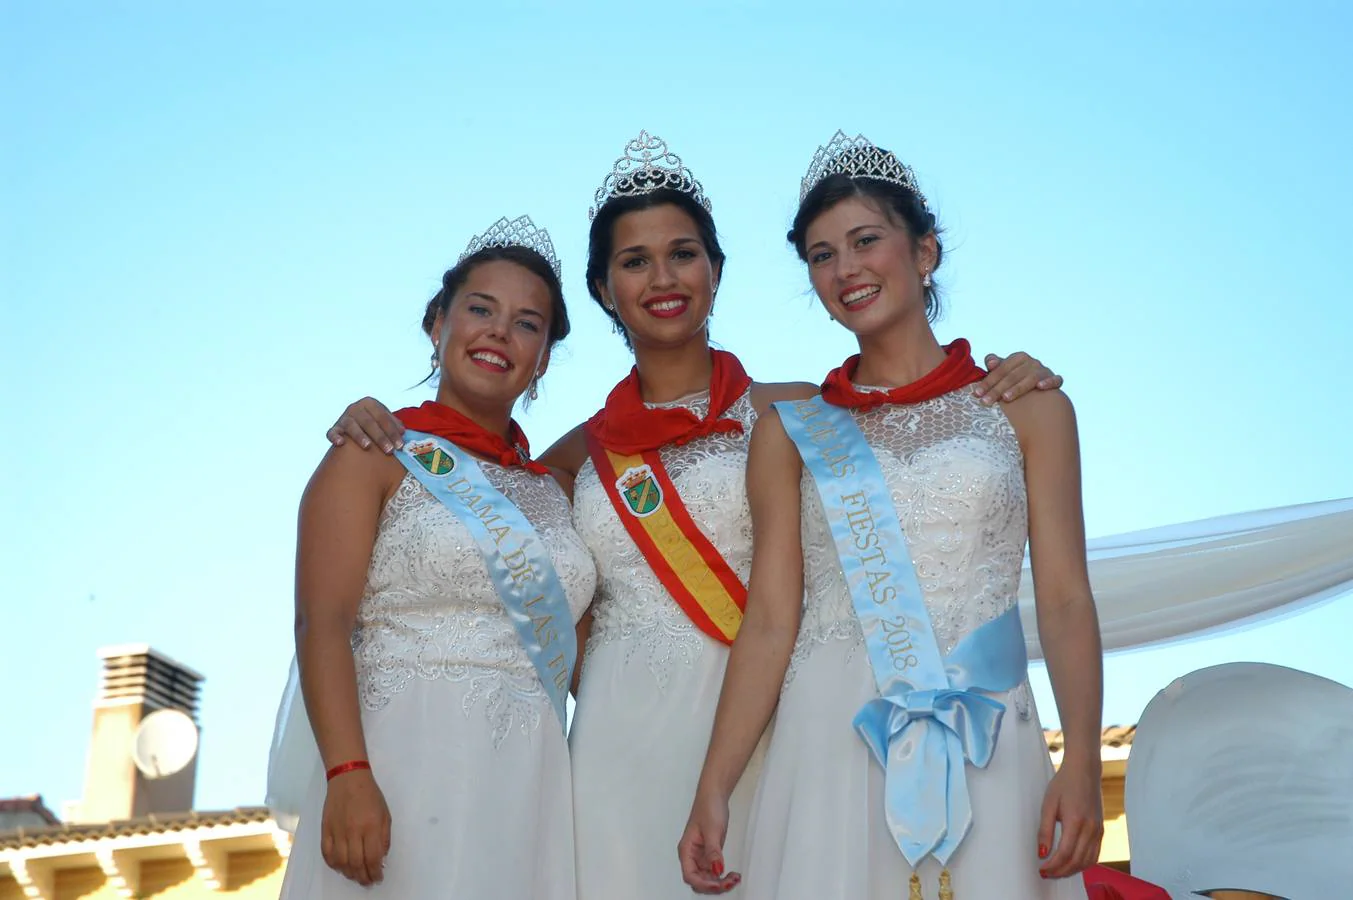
(656, 651)
(907, 758)
(443, 768)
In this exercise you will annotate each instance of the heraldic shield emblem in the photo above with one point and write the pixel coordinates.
(640, 490)
(433, 458)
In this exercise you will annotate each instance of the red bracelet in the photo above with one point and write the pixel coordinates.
(346, 767)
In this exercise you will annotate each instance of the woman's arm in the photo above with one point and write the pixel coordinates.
(567, 454)
(1008, 379)
(583, 630)
(1068, 627)
(760, 655)
(335, 535)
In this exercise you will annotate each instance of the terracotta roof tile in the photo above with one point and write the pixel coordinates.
(152, 824)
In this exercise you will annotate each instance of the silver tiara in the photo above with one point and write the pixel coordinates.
(518, 232)
(858, 158)
(647, 166)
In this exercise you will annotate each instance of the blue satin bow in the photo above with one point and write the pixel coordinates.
(922, 740)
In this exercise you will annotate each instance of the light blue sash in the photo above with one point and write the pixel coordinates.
(518, 563)
(929, 716)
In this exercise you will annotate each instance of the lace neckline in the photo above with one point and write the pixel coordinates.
(696, 402)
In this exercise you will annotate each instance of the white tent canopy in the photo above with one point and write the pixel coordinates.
(1184, 580)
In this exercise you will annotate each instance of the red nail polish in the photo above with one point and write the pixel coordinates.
(1042, 874)
(718, 868)
(1042, 851)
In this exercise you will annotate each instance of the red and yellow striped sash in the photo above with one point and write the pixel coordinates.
(685, 561)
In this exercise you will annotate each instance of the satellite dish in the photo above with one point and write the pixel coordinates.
(165, 742)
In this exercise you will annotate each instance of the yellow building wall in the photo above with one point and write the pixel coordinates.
(257, 873)
(252, 875)
(84, 884)
(171, 879)
(1115, 846)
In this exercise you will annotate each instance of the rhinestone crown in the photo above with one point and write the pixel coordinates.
(518, 232)
(647, 166)
(858, 158)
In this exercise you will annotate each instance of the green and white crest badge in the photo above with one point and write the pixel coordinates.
(640, 490)
(432, 457)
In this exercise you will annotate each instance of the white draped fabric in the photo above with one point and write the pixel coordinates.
(294, 759)
(1184, 580)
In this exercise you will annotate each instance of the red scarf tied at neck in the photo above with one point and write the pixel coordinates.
(467, 434)
(957, 370)
(626, 425)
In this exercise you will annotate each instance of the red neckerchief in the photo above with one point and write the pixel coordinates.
(445, 422)
(626, 425)
(955, 372)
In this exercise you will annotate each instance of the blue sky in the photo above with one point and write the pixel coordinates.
(221, 223)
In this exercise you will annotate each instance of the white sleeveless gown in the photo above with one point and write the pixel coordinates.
(462, 738)
(651, 680)
(956, 475)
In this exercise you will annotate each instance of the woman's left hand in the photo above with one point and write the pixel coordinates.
(1013, 377)
(1073, 799)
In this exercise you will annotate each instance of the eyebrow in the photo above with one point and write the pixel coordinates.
(849, 233)
(639, 248)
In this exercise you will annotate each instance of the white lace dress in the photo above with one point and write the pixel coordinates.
(956, 475)
(462, 738)
(651, 680)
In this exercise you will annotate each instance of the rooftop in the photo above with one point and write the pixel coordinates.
(25, 812)
(1115, 736)
(59, 833)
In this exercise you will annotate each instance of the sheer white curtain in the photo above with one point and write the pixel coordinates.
(294, 759)
(1183, 580)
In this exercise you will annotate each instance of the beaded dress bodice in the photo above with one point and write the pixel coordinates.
(956, 475)
(710, 475)
(430, 611)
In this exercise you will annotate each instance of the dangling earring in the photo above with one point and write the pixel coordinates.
(925, 282)
(616, 325)
(436, 363)
(531, 393)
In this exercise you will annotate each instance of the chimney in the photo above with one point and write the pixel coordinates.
(137, 767)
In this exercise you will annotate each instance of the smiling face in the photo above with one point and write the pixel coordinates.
(865, 266)
(660, 279)
(493, 338)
